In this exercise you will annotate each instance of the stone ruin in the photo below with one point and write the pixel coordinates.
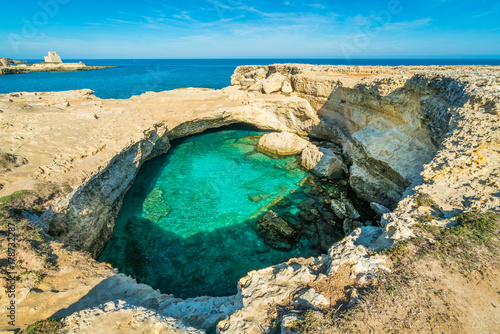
(4, 62)
(53, 57)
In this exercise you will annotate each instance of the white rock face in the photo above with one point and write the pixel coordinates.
(282, 143)
(262, 287)
(310, 299)
(125, 318)
(322, 162)
(354, 249)
(273, 83)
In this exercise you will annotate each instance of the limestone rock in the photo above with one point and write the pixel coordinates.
(379, 209)
(245, 83)
(322, 162)
(262, 287)
(310, 299)
(273, 83)
(4, 62)
(354, 249)
(53, 57)
(282, 143)
(277, 232)
(344, 208)
(128, 318)
(288, 324)
(286, 88)
(154, 206)
(350, 225)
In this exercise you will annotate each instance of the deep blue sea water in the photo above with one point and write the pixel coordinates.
(133, 77)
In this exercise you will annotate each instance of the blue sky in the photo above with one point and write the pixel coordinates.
(251, 29)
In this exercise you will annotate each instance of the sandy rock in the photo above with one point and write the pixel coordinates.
(245, 83)
(4, 62)
(322, 162)
(405, 130)
(282, 143)
(273, 83)
(261, 287)
(354, 249)
(286, 88)
(128, 318)
(310, 299)
(288, 324)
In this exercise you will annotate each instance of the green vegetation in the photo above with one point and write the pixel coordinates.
(424, 200)
(468, 248)
(47, 326)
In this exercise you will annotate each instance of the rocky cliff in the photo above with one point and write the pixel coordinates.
(405, 132)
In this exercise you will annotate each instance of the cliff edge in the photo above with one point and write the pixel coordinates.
(421, 144)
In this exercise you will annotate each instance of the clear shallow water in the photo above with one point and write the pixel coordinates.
(187, 224)
(133, 77)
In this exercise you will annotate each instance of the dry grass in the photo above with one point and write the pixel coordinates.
(442, 281)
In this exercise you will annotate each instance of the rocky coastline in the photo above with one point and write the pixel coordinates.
(23, 68)
(405, 132)
(10, 66)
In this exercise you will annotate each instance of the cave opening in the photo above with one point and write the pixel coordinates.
(213, 208)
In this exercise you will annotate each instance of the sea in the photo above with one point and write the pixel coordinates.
(134, 77)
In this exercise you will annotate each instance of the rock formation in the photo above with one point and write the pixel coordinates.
(53, 58)
(283, 143)
(405, 132)
(4, 62)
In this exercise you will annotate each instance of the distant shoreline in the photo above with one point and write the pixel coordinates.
(21, 69)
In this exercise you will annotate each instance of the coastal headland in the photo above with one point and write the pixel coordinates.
(52, 63)
(421, 143)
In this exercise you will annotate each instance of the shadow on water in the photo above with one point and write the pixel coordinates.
(193, 249)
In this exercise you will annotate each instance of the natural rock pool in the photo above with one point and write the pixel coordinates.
(189, 225)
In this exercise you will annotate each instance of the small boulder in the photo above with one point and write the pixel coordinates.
(277, 232)
(310, 299)
(245, 83)
(344, 208)
(282, 143)
(379, 209)
(288, 324)
(322, 162)
(350, 225)
(286, 88)
(273, 83)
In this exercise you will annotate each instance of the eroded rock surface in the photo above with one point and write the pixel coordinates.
(406, 133)
(282, 143)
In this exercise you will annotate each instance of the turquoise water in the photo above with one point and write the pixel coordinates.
(187, 225)
(134, 77)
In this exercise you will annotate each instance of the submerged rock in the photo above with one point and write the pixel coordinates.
(277, 232)
(154, 206)
(282, 143)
